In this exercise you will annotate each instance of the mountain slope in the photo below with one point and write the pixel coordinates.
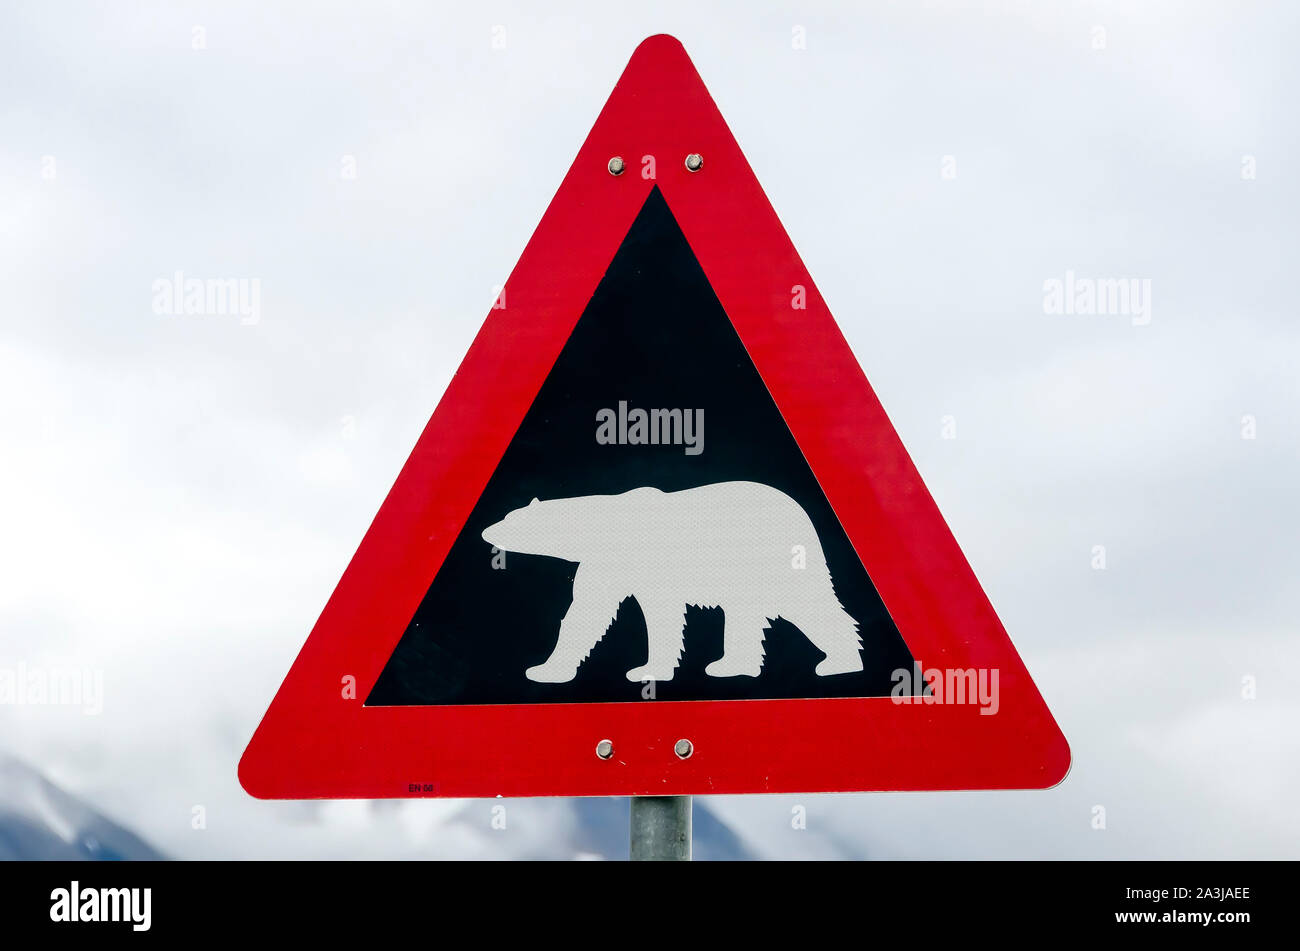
(38, 820)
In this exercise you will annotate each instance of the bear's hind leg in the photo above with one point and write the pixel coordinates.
(742, 646)
(834, 632)
(665, 624)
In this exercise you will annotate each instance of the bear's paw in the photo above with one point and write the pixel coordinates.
(550, 673)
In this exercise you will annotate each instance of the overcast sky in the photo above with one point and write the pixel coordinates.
(180, 494)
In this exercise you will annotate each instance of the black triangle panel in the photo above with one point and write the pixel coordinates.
(655, 336)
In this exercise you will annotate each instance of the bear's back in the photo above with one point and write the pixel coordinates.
(737, 520)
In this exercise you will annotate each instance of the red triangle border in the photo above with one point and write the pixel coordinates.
(315, 742)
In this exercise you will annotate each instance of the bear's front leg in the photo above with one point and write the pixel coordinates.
(665, 624)
(742, 646)
(585, 623)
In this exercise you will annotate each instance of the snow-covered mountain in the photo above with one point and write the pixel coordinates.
(38, 820)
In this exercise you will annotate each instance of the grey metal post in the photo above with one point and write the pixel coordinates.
(661, 828)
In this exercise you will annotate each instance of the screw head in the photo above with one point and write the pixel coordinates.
(683, 749)
(694, 162)
(604, 749)
(616, 165)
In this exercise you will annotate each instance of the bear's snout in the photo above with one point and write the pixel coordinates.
(492, 534)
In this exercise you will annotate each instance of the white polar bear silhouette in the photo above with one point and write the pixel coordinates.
(728, 545)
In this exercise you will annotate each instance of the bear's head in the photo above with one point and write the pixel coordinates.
(575, 529)
(550, 528)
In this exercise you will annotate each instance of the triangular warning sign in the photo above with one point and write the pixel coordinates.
(659, 501)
